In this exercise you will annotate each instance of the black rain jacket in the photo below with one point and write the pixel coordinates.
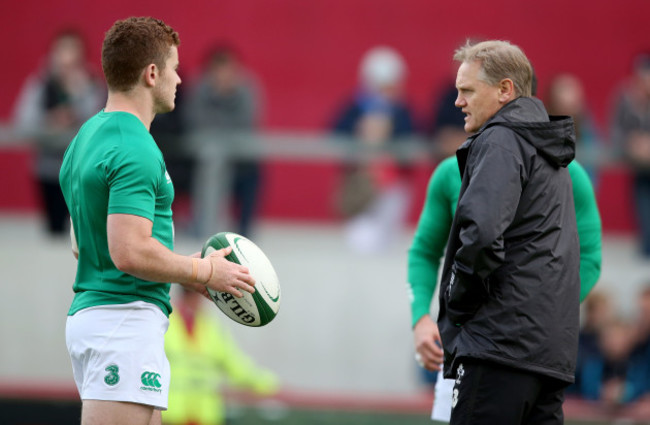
(510, 284)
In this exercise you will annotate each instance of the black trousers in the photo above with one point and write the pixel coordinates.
(56, 210)
(245, 190)
(489, 394)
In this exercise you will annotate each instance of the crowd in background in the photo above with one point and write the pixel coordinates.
(226, 99)
(61, 95)
(614, 358)
(614, 355)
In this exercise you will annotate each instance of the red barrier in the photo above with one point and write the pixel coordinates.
(305, 191)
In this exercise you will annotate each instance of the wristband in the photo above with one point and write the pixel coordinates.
(210, 275)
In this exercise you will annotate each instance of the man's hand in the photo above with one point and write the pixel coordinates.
(227, 276)
(428, 344)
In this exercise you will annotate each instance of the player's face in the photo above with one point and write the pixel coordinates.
(478, 100)
(165, 90)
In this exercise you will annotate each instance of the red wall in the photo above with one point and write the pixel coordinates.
(306, 51)
(18, 189)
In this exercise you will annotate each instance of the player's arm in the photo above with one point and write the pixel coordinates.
(430, 239)
(485, 211)
(135, 251)
(134, 173)
(589, 228)
(424, 260)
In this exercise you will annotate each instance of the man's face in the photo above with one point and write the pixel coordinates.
(225, 76)
(67, 55)
(643, 75)
(478, 100)
(165, 89)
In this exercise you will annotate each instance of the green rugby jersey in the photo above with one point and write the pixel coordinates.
(435, 220)
(113, 166)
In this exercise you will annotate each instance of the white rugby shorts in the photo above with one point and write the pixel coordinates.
(443, 399)
(118, 353)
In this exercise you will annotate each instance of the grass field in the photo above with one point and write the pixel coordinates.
(252, 416)
(62, 412)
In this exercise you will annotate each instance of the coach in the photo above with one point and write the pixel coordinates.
(509, 298)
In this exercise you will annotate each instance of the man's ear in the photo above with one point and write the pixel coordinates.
(506, 90)
(150, 75)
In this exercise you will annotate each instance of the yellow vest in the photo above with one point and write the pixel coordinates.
(199, 363)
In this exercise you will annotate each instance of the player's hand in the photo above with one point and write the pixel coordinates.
(228, 276)
(428, 346)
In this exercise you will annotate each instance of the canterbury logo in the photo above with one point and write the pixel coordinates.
(150, 379)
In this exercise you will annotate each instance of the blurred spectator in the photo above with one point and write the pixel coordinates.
(226, 101)
(202, 356)
(641, 356)
(377, 113)
(642, 328)
(597, 312)
(565, 96)
(448, 123)
(616, 369)
(641, 336)
(631, 139)
(169, 131)
(606, 374)
(374, 195)
(52, 104)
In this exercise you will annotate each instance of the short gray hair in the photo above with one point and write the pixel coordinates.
(499, 60)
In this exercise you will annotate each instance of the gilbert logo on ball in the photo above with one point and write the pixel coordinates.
(255, 309)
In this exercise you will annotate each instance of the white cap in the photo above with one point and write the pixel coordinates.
(381, 66)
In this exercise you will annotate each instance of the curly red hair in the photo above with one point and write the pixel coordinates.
(132, 44)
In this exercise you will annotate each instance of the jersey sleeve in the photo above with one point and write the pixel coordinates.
(430, 238)
(133, 174)
(589, 228)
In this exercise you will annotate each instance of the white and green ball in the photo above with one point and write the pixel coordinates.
(255, 309)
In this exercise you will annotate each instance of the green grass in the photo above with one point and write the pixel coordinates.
(255, 416)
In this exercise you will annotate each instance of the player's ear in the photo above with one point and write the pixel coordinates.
(506, 90)
(150, 75)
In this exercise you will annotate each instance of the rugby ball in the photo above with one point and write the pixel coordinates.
(260, 307)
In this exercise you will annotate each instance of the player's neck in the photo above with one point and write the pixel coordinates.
(134, 102)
